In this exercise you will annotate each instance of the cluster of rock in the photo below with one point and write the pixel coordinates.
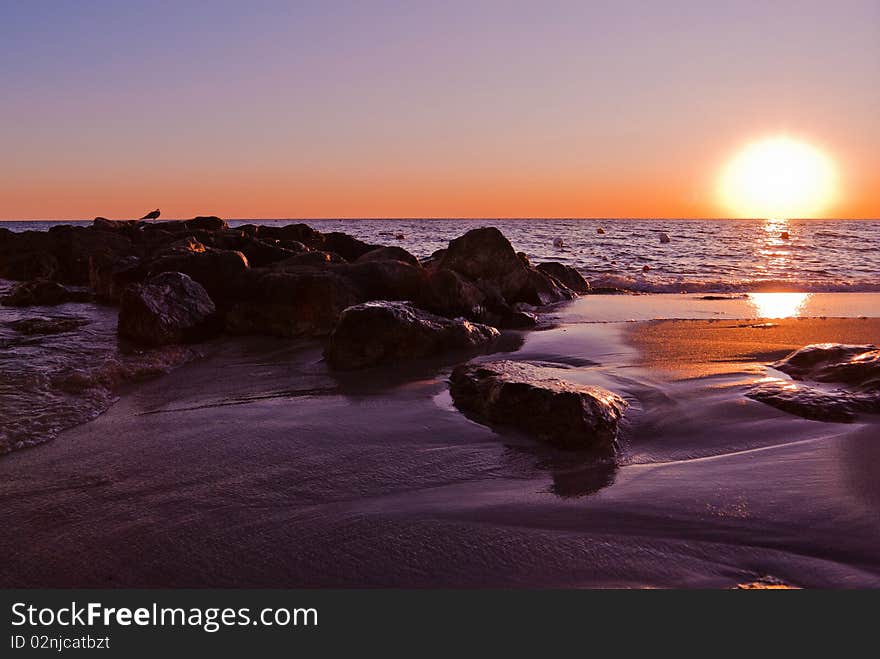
(187, 281)
(286, 281)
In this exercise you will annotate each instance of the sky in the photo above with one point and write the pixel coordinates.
(424, 109)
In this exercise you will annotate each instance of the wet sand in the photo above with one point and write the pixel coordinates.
(259, 467)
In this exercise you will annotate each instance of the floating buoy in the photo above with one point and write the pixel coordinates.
(784, 235)
(400, 236)
(600, 230)
(558, 243)
(645, 268)
(664, 238)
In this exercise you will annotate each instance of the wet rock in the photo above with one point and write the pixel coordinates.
(259, 253)
(812, 403)
(29, 265)
(221, 272)
(109, 276)
(306, 302)
(600, 230)
(566, 275)
(486, 258)
(377, 332)
(42, 292)
(392, 253)
(75, 246)
(207, 223)
(854, 365)
(449, 294)
(168, 308)
(384, 280)
(531, 399)
(310, 258)
(348, 247)
(47, 325)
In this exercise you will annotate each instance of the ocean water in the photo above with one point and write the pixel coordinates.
(52, 381)
(702, 255)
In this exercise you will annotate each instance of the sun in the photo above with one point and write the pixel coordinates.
(778, 177)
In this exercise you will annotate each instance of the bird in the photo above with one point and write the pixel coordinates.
(151, 216)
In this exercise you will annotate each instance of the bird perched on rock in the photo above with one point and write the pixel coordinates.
(151, 216)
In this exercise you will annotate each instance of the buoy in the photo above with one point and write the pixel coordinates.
(400, 236)
(664, 238)
(645, 268)
(558, 243)
(600, 230)
(784, 235)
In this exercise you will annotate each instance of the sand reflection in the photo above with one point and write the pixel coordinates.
(778, 305)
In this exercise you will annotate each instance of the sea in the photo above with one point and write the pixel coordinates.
(51, 380)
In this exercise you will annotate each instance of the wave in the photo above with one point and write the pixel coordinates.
(646, 285)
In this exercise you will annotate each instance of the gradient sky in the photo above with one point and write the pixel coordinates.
(418, 109)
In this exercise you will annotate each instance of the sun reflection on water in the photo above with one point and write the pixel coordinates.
(778, 305)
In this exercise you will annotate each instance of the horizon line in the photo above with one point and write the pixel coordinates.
(442, 217)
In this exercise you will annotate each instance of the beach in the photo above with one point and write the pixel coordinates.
(257, 466)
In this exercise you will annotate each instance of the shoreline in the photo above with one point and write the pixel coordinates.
(259, 458)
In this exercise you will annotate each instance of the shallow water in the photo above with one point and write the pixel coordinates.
(702, 255)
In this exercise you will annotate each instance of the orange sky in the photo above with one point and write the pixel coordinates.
(471, 110)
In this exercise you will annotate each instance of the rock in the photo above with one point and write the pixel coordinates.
(392, 253)
(42, 292)
(207, 223)
(664, 238)
(48, 325)
(75, 246)
(855, 365)
(312, 258)
(486, 258)
(784, 235)
(259, 253)
(811, 403)
(376, 332)
(168, 308)
(531, 399)
(399, 236)
(109, 276)
(449, 294)
(384, 280)
(348, 247)
(221, 272)
(29, 265)
(305, 302)
(566, 275)
(558, 243)
(600, 230)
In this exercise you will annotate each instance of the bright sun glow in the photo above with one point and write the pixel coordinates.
(778, 177)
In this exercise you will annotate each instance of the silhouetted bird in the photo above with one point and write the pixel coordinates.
(151, 216)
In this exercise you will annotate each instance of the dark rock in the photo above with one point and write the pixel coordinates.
(75, 246)
(207, 223)
(42, 292)
(531, 399)
(304, 302)
(449, 294)
(485, 257)
(392, 253)
(259, 253)
(855, 365)
(109, 276)
(221, 272)
(311, 258)
(348, 247)
(811, 403)
(384, 280)
(29, 265)
(168, 308)
(566, 275)
(49, 325)
(376, 332)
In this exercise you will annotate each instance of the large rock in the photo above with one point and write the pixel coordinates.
(377, 332)
(348, 247)
(449, 294)
(384, 280)
(392, 253)
(305, 302)
(813, 403)
(487, 259)
(854, 365)
(42, 292)
(531, 399)
(221, 272)
(168, 308)
(110, 276)
(566, 275)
